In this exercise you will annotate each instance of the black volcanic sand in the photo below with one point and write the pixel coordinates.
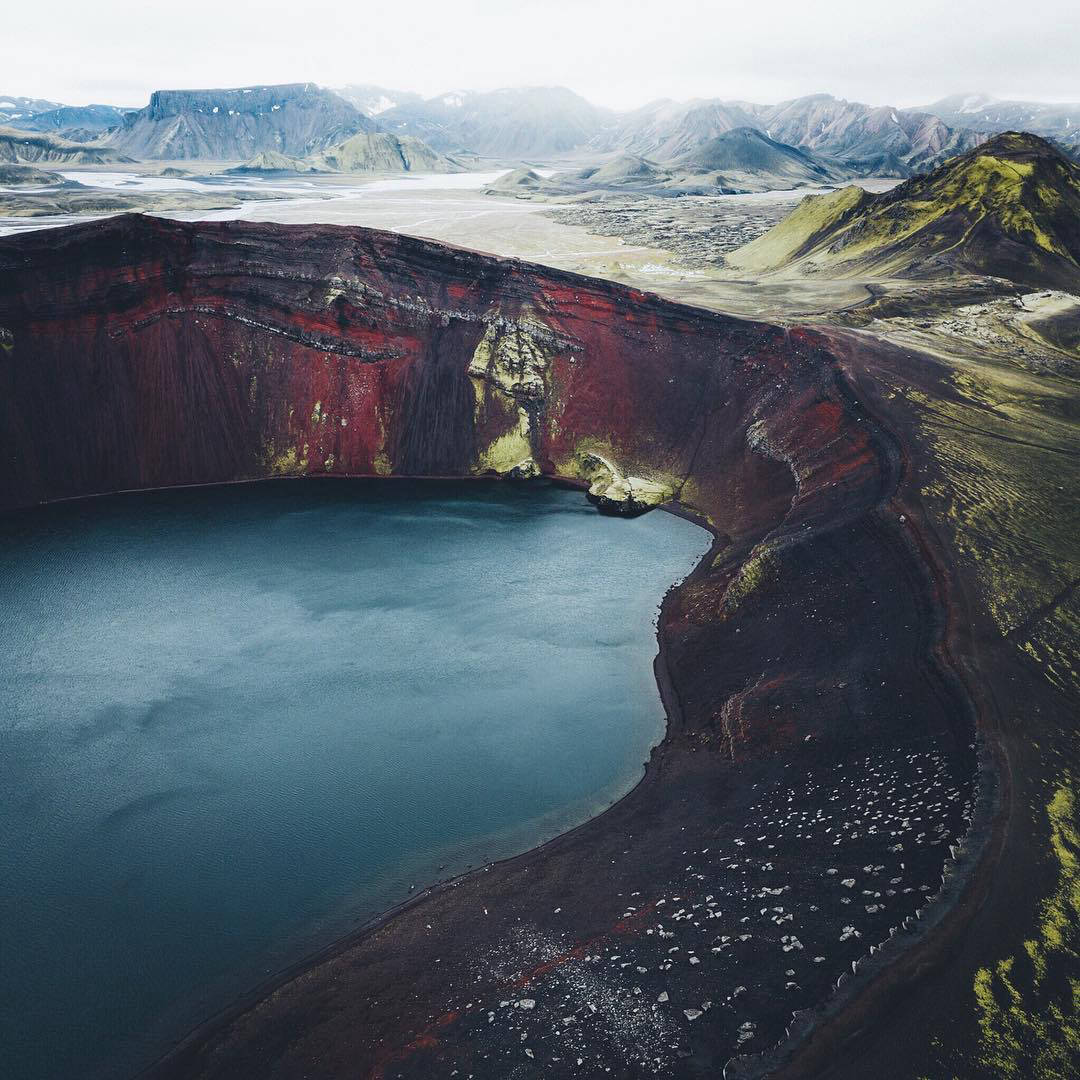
(1016, 921)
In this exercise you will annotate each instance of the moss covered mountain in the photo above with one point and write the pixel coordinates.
(1010, 209)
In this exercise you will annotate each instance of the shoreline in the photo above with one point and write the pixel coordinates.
(839, 1017)
(342, 943)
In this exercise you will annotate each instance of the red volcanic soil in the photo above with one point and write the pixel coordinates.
(820, 757)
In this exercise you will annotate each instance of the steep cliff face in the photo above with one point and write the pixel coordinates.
(143, 352)
(140, 352)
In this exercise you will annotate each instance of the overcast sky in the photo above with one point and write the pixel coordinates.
(620, 53)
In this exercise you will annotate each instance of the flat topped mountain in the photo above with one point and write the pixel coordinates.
(296, 119)
(1009, 209)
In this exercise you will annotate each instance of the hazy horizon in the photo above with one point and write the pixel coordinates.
(336, 87)
(615, 54)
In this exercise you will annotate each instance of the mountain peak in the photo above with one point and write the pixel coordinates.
(1019, 146)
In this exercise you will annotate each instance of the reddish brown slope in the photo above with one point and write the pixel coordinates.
(149, 353)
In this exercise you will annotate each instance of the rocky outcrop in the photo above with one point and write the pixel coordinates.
(510, 371)
(614, 493)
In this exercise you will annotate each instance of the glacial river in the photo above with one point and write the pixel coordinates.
(236, 722)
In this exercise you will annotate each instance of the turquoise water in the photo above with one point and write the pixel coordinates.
(236, 721)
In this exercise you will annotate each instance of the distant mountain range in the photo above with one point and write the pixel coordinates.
(375, 100)
(544, 122)
(869, 139)
(665, 130)
(980, 112)
(663, 143)
(14, 108)
(79, 123)
(525, 122)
